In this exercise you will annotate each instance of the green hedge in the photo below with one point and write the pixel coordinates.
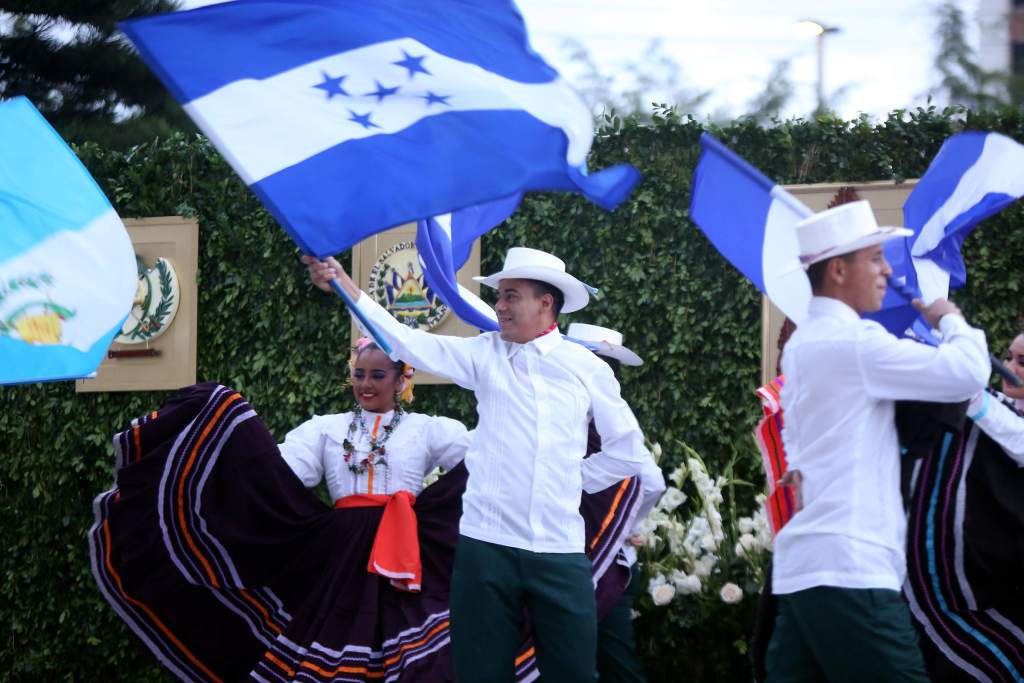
(265, 331)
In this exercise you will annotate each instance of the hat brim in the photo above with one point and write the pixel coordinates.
(619, 353)
(575, 292)
(883, 234)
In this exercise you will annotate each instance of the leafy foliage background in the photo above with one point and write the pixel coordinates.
(265, 331)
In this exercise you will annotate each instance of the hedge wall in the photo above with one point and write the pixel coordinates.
(265, 331)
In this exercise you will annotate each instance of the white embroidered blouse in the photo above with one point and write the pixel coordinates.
(314, 450)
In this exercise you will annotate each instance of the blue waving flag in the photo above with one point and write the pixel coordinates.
(751, 221)
(347, 118)
(67, 267)
(444, 243)
(974, 176)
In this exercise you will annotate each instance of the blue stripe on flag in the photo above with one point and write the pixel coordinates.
(947, 253)
(333, 200)
(955, 157)
(730, 203)
(473, 221)
(227, 42)
(435, 251)
(41, 182)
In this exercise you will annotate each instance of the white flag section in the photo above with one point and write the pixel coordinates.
(67, 267)
(301, 112)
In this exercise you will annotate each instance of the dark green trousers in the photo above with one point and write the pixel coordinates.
(492, 586)
(617, 661)
(842, 635)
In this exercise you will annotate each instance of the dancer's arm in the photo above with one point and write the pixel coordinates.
(901, 369)
(303, 450)
(446, 356)
(622, 453)
(447, 443)
(1000, 422)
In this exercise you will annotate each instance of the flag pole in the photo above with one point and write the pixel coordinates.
(363, 320)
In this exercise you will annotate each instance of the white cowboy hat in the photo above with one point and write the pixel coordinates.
(605, 342)
(841, 230)
(533, 264)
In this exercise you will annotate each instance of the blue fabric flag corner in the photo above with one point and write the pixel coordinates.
(350, 118)
(67, 267)
(444, 243)
(751, 221)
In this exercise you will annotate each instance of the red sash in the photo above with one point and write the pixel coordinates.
(396, 547)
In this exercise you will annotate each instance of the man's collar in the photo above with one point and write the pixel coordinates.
(833, 308)
(548, 341)
(544, 343)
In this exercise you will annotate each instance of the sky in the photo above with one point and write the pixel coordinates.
(883, 52)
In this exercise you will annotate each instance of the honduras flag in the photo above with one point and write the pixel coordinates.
(347, 118)
(67, 267)
(751, 222)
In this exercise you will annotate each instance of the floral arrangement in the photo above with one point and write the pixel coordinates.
(697, 548)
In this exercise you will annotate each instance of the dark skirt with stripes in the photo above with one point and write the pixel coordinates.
(965, 547)
(227, 568)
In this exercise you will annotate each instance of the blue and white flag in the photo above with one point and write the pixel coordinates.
(751, 221)
(444, 243)
(67, 267)
(974, 176)
(347, 118)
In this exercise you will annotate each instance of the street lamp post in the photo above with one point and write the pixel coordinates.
(819, 31)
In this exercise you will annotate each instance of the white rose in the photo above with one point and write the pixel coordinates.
(731, 593)
(671, 499)
(677, 577)
(646, 527)
(690, 585)
(656, 451)
(750, 543)
(739, 550)
(704, 566)
(663, 594)
(707, 542)
(746, 525)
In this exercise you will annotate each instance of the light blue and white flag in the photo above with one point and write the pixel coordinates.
(751, 221)
(347, 118)
(444, 243)
(67, 267)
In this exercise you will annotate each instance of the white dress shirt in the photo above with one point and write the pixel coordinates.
(314, 450)
(526, 466)
(843, 375)
(1002, 424)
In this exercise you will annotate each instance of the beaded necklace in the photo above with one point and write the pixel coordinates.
(376, 444)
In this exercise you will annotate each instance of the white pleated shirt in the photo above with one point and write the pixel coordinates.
(526, 460)
(843, 376)
(314, 450)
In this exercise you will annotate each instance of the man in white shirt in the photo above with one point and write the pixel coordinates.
(521, 543)
(840, 562)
